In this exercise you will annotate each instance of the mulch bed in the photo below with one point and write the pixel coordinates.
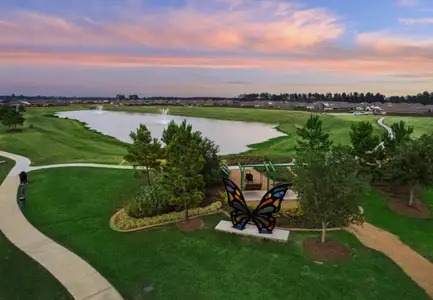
(418, 210)
(190, 225)
(329, 251)
(397, 200)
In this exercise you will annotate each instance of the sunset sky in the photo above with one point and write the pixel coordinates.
(215, 47)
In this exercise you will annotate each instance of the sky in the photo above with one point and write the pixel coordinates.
(215, 47)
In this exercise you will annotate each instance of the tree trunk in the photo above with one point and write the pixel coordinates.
(412, 192)
(186, 211)
(323, 238)
(148, 175)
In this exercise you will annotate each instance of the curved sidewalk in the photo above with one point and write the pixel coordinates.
(81, 280)
(387, 128)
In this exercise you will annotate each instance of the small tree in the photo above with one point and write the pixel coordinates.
(144, 152)
(331, 188)
(401, 134)
(312, 137)
(11, 117)
(412, 164)
(21, 108)
(365, 146)
(182, 176)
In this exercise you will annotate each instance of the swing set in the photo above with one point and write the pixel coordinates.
(267, 169)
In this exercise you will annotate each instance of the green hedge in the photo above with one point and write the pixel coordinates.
(125, 222)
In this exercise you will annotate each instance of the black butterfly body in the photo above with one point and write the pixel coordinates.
(262, 215)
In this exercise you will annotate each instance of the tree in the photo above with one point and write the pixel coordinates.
(207, 148)
(412, 164)
(401, 134)
(182, 176)
(365, 147)
(21, 108)
(331, 187)
(144, 152)
(11, 117)
(312, 138)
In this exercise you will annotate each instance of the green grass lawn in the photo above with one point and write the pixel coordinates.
(73, 206)
(21, 278)
(417, 233)
(54, 140)
(421, 124)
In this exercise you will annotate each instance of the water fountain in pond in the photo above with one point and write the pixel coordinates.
(164, 112)
(99, 109)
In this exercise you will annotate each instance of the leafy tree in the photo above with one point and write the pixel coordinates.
(207, 148)
(21, 109)
(144, 151)
(365, 147)
(312, 137)
(401, 134)
(11, 117)
(412, 164)
(182, 176)
(331, 187)
(3, 111)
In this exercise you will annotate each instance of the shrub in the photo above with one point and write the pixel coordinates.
(125, 222)
(133, 209)
(152, 200)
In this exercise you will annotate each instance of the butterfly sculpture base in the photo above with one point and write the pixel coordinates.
(277, 235)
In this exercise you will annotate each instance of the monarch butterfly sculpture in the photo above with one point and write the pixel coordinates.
(262, 216)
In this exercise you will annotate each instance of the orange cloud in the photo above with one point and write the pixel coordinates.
(367, 67)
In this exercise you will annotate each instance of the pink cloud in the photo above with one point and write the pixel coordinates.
(407, 2)
(387, 42)
(416, 21)
(262, 26)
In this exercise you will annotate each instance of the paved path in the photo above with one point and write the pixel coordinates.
(415, 265)
(81, 280)
(387, 128)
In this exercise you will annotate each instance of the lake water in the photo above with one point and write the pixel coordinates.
(230, 136)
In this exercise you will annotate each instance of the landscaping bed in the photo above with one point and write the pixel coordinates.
(121, 221)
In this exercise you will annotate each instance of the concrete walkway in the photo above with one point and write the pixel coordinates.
(415, 265)
(81, 280)
(387, 128)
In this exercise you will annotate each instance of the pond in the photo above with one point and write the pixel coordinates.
(231, 136)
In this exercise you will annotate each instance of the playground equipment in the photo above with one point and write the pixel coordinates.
(267, 169)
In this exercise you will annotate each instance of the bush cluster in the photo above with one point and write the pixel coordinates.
(150, 201)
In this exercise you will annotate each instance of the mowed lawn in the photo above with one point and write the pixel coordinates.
(417, 233)
(421, 124)
(22, 278)
(73, 206)
(54, 140)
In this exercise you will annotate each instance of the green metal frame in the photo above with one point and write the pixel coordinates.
(271, 171)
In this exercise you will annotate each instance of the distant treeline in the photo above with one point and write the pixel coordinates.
(423, 98)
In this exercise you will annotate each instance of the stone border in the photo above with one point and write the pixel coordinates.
(115, 228)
